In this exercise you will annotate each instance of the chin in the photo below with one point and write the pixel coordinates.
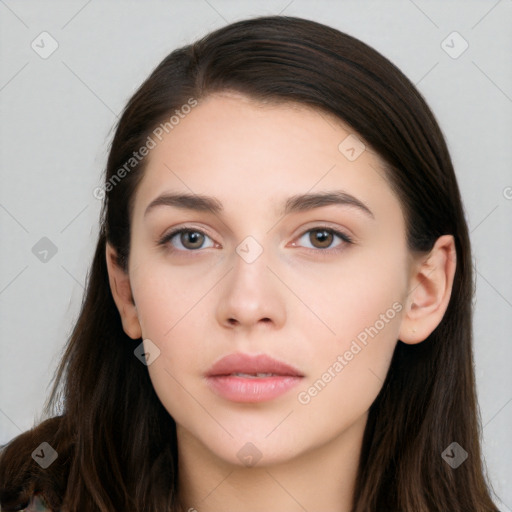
(253, 451)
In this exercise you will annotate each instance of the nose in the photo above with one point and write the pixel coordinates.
(251, 295)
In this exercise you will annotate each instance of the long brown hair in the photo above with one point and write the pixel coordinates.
(117, 443)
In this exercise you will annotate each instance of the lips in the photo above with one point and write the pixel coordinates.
(245, 378)
(256, 366)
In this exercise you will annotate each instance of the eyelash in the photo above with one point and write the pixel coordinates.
(324, 252)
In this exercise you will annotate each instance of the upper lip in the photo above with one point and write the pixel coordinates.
(251, 364)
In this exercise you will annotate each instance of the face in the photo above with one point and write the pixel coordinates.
(318, 285)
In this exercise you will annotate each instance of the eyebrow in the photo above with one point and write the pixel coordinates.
(296, 203)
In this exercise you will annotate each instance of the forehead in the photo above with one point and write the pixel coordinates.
(246, 152)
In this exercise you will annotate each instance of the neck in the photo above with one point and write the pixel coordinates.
(322, 478)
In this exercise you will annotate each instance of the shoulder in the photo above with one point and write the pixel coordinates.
(36, 504)
(36, 464)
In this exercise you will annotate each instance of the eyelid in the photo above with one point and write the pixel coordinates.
(328, 226)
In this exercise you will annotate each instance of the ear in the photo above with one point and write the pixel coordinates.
(430, 287)
(121, 291)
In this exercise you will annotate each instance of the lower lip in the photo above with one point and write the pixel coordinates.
(246, 389)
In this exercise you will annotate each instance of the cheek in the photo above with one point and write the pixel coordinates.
(168, 321)
(348, 370)
(179, 342)
(360, 311)
(165, 295)
(349, 298)
(169, 304)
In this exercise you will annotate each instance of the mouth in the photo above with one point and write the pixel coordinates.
(246, 378)
(253, 376)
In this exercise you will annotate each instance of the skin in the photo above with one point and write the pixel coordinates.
(298, 302)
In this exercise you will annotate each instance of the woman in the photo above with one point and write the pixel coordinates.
(278, 314)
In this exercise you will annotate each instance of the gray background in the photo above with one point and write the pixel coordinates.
(57, 115)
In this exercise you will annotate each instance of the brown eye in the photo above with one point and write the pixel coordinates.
(321, 238)
(325, 238)
(185, 240)
(191, 239)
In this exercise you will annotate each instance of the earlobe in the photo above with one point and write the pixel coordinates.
(122, 293)
(430, 288)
